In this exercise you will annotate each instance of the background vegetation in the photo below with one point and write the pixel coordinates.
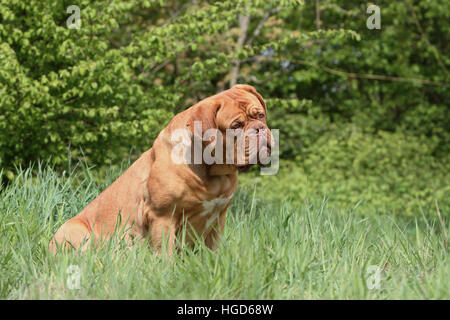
(363, 118)
(363, 113)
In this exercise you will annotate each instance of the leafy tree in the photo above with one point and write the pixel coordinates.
(113, 83)
(394, 79)
(110, 86)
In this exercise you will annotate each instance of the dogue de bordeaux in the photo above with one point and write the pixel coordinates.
(156, 197)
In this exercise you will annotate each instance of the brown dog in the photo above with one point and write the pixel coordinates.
(157, 196)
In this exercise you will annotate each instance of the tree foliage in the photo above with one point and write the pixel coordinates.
(108, 88)
(113, 83)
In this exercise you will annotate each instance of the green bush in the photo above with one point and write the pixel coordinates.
(64, 88)
(388, 171)
(409, 58)
(105, 90)
(111, 86)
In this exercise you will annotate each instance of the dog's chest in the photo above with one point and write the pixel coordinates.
(211, 209)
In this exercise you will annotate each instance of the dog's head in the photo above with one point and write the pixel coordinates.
(234, 121)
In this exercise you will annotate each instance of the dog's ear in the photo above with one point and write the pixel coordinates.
(253, 91)
(205, 112)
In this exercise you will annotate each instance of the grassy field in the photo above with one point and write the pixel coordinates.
(270, 250)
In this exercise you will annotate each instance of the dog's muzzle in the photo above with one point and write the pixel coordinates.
(259, 149)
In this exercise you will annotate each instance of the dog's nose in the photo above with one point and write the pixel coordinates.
(264, 134)
(260, 128)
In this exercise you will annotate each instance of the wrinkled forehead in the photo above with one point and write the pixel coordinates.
(243, 99)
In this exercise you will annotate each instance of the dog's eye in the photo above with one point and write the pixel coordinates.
(237, 125)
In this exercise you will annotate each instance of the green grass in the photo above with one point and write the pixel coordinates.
(271, 250)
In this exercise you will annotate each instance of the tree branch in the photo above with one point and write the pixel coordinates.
(424, 36)
(244, 22)
(363, 75)
(261, 23)
(318, 23)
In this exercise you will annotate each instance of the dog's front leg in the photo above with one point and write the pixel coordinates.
(212, 239)
(163, 234)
